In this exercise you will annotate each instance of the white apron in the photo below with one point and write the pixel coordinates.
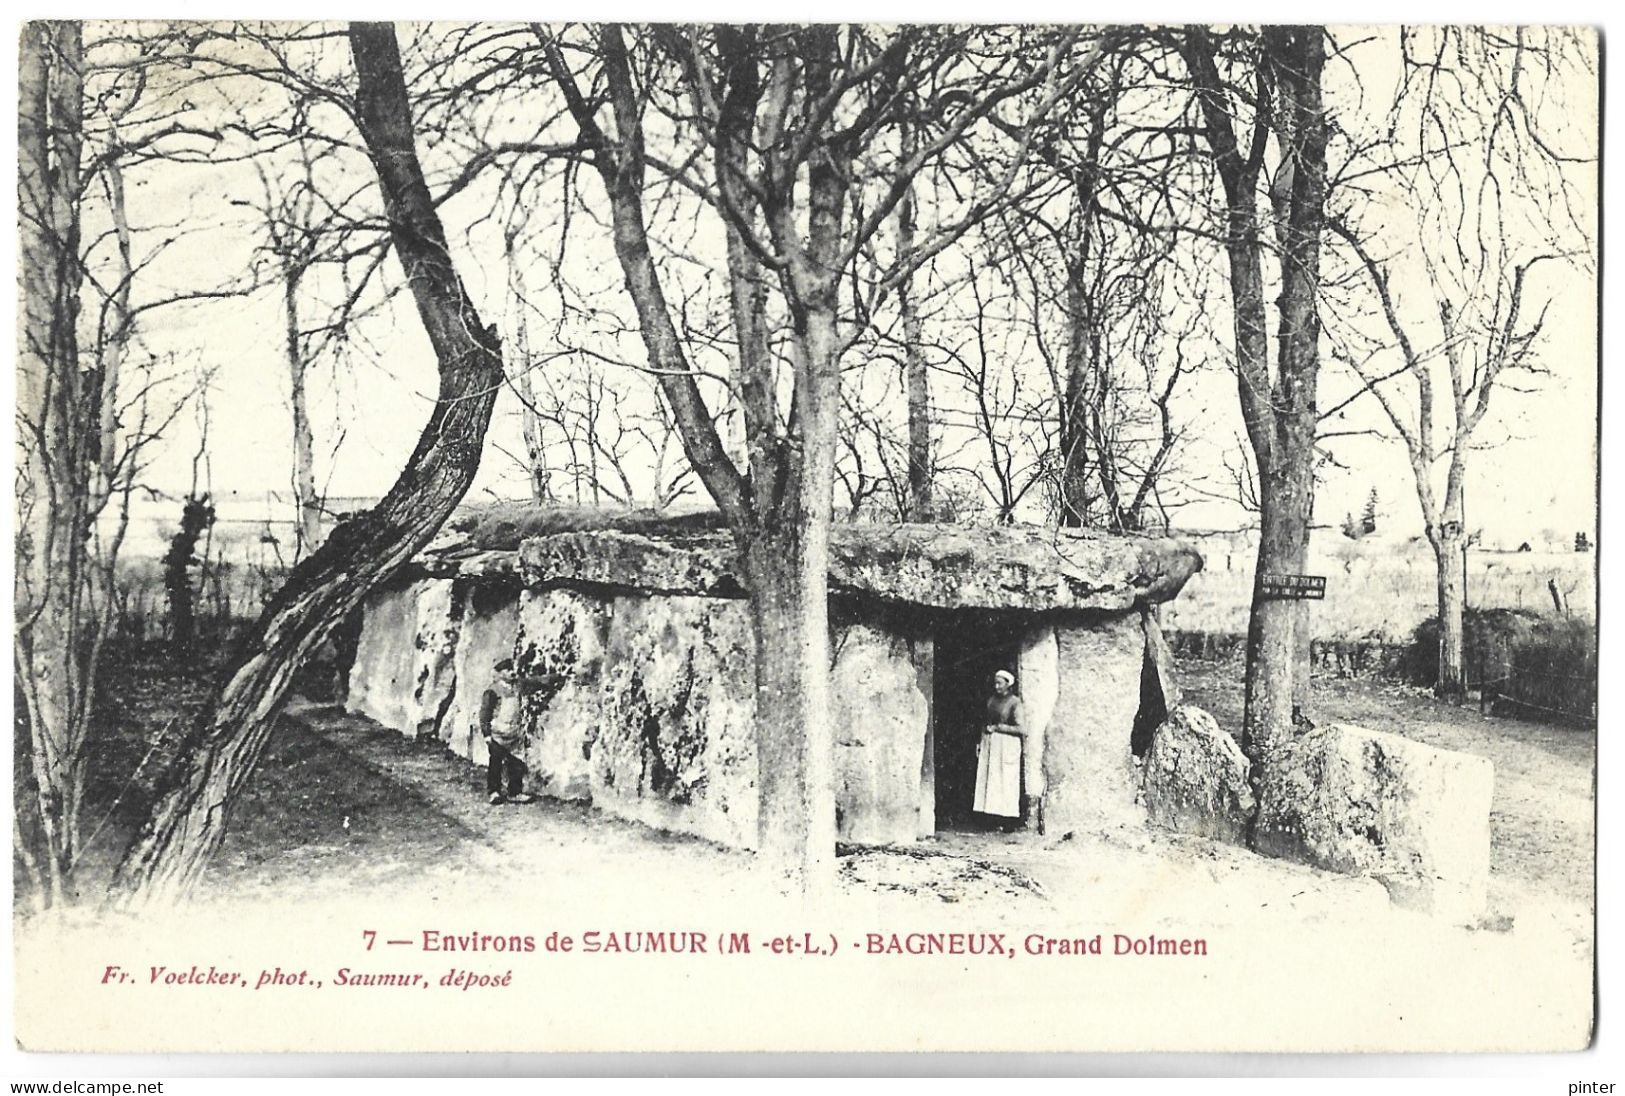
(998, 775)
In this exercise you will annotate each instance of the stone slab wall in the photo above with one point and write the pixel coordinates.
(649, 710)
(490, 619)
(562, 635)
(1089, 775)
(404, 675)
(1038, 665)
(881, 701)
(675, 740)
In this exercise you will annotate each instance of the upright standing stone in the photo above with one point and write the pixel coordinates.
(676, 745)
(403, 675)
(1088, 766)
(560, 641)
(383, 657)
(881, 718)
(490, 621)
(1195, 778)
(1038, 666)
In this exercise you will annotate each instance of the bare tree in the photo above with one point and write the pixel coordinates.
(1492, 199)
(88, 408)
(1277, 71)
(294, 224)
(59, 408)
(786, 120)
(214, 760)
(916, 372)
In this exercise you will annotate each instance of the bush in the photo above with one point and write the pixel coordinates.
(1488, 637)
(1553, 673)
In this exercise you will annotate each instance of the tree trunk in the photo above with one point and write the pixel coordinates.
(534, 431)
(307, 507)
(187, 819)
(1279, 635)
(786, 568)
(1074, 424)
(59, 424)
(1278, 632)
(917, 377)
(1452, 681)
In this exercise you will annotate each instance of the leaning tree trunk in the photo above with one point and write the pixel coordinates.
(189, 815)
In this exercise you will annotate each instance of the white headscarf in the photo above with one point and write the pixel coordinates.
(1005, 676)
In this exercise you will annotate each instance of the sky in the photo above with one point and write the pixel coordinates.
(1536, 474)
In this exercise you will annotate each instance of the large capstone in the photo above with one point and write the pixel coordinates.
(935, 566)
(1365, 802)
(1195, 778)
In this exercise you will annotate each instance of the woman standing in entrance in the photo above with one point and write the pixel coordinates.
(998, 760)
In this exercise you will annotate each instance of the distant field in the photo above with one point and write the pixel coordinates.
(1381, 589)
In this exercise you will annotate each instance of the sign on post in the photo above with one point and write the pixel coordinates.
(1292, 587)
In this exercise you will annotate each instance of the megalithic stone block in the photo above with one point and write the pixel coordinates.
(1196, 778)
(1365, 802)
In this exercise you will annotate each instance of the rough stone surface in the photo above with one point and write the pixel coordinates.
(383, 657)
(640, 625)
(1038, 666)
(676, 738)
(1195, 778)
(1088, 766)
(434, 678)
(881, 707)
(404, 676)
(561, 636)
(938, 566)
(489, 619)
(1159, 661)
(1364, 802)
